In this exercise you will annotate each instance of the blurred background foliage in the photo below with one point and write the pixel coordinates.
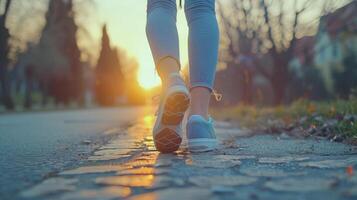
(277, 51)
(273, 52)
(48, 69)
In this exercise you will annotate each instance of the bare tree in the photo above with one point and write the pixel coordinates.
(265, 27)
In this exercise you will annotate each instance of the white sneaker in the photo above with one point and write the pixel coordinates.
(167, 132)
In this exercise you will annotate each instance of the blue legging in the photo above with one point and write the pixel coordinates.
(203, 37)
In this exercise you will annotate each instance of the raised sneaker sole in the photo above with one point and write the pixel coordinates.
(202, 145)
(167, 141)
(175, 107)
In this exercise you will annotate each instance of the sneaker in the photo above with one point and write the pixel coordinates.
(167, 131)
(201, 135)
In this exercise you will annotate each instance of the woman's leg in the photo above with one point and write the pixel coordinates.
(163, 37)
(203, 52)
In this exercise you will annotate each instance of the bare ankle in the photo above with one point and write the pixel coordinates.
(168, 66)
(200, 98)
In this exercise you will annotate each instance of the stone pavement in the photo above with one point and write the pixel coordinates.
(258, 167)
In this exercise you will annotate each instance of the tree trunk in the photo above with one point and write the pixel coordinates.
(28, 95)
(4, 49)
(29, 73)
(280, 77)
(6, 98)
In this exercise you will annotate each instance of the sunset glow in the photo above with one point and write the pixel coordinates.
(147, 76)
(125, 20)
(126, 26)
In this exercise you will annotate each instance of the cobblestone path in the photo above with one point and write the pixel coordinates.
(258, 167)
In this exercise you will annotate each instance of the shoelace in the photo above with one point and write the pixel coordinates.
(156, 98)
(217, 96)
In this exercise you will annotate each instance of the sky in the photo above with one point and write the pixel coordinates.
(125, 20)
(126, 27)
(126, 24)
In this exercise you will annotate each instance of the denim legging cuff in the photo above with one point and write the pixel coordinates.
(203, 37)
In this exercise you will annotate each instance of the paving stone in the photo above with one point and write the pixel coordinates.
(178, 193)
(151, 148)
(124, 140)
(229, 144)
(107, 157)
(219, 189)
(141, 163)
(149, 153)
(283, 159)
(144, 171)
(330, 163)
(50, 186)
(352, 179)
(268, 145)
(182, 152)
(234, 180)
(351, 192)
(120, 146)
(267, 166)
(107, 193)
(149, 138)
(212, 161)
(110, 154)
(215, 155)
(163, 163)
(149, 143)
(343, 176)
(300, 184)
(227, 151)
(147, 181)
(130, 181)
(234, 157)
(106, 152)
(147, 156)
(263, 171)
(95, 169)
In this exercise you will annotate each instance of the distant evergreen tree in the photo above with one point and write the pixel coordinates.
(58, 55)
(109, 77)
(5, 96)
(71, 50)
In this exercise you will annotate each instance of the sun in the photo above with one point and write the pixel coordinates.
(147, 76)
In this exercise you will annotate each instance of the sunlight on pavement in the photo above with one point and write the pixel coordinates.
(143, 129)
(149, 120)
(130, 180)
(112, 192)
(129, 166)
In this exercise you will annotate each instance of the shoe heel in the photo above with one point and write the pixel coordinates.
(167, 141)
(175, 108)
